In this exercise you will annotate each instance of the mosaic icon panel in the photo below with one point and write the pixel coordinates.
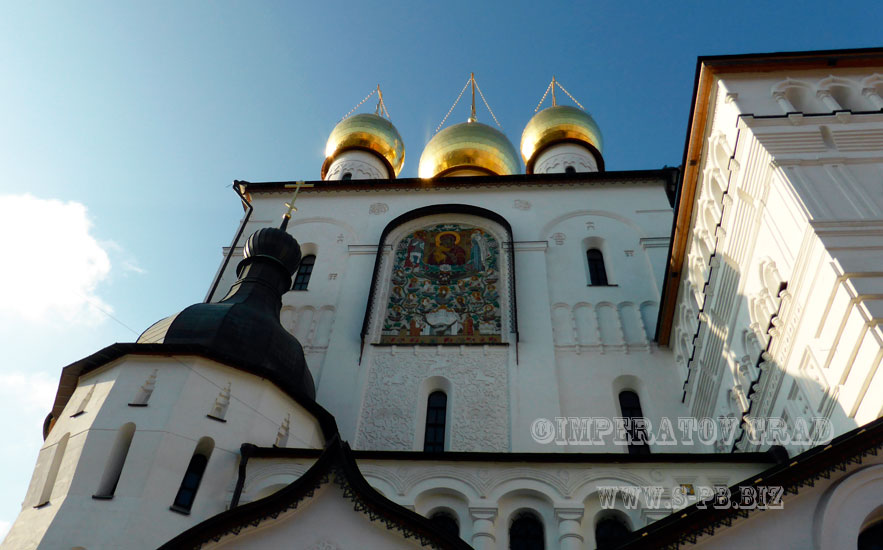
(444, 288)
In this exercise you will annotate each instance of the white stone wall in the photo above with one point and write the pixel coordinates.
(166, 433)
(577, 342)
(556, 159)
(484, 497)
(327, 521)
(360, 165)
(786, 201)
(829, 515)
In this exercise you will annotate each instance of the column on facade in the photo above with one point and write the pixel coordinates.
(873, 97)
(828, 100)
(483, 531)
(783, 102)
(569, 532)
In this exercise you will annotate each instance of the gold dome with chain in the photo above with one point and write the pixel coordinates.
(366, 132)
(559, 124)
(469, 148)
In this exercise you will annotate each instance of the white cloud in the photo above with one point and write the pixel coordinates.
(53, 264)
(28, 393)
(122, 257)
(130, 265)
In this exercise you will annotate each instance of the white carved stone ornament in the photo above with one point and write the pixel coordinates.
(219, 409)
(479, 422)
(378, 208)
(146, 390)
(584, 162)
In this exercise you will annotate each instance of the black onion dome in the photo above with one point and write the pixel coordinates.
(274, 244)
(243, 328)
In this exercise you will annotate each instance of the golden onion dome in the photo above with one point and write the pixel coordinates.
(469, 145)
(366, 132)
(559, 124)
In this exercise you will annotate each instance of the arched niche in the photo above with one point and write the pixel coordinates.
(845, 92)
(796, 96)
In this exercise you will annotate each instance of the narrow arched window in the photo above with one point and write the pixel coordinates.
(115, 462)
(610, 532)
(52, 474)
(446, 522)
(597, 273)
(630, 407)
(302, 279)
(436, 411)
(347, 176)
(193, 476)
(526, 533)
(570, 170)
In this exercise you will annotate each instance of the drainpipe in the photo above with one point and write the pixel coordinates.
(245, 451)
(249, 209)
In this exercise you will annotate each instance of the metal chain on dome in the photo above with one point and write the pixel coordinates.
(486, 104)
(359, 104)
(381, 105)
(442, 123)
(551, 87)
(570, 96)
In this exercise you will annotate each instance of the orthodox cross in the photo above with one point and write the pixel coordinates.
(291, 207)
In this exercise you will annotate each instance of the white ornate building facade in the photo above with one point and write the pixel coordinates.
(475, 333)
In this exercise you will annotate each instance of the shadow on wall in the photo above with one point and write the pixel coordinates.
(739, 374)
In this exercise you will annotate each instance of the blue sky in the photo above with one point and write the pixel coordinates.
(126, 122)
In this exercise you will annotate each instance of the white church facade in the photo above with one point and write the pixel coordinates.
(491, 357)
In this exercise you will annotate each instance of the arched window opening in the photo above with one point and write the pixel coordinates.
(115, 462)
(52, 473)
(526, 533)
(570, 170)
(302, 279)
(193, 476)
(610, 532)
(446, 522)
(347, 176)
(597, 273)
(872, 537)
(436, 411)
(630, 407)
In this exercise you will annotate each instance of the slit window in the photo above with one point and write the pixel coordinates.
(193, 476)
(597, 273)
(630, 407)
(347, 176)
(115, 462)
(302, 278)
(570, 170)
(526, 533)
(436, 411)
